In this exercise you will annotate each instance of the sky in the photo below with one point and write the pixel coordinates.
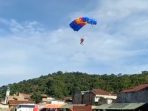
(35, 38)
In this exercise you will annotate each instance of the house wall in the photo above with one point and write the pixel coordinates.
(107, 96)
(109, 101)
(77, 98)
(4, 107)
(82, 108)
(91, 98)
(88, 98)
(140, 96)
(25, 107)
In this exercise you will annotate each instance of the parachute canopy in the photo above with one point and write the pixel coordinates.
(78, 23)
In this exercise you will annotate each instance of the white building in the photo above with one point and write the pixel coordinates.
(57, 102)
(25, 107)
(109, 98)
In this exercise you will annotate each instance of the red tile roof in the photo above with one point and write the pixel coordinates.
(15, 102)
(100, 92)
(136, 88)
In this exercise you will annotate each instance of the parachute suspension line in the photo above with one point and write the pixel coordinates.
(80, 22)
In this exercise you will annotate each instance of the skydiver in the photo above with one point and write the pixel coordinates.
(81, 41)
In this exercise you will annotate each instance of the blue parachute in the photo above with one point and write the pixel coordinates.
(78, 23)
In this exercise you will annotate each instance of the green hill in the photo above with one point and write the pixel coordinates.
(61, 84)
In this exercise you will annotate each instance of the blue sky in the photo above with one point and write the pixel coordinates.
(35, 37)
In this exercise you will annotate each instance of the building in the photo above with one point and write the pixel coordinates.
(121, 107)
(95, 96)
(4, 107)
(25, 107)
(13, 103)
(55, 107)
(17, 99)
(136, 94)
(78, 97)
(98, 96)
(68, 100)
(46, 99)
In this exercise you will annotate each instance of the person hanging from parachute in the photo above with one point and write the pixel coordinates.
(81, 41)
(78, 23)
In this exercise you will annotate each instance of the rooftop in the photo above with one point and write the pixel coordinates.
(100, 92)
(136, 88)
(15, 102)
(119, 106)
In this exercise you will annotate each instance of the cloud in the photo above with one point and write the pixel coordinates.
(120, 39)
(117, 44)
(34, 48)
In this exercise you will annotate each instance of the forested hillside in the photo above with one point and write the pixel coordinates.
(61, 84)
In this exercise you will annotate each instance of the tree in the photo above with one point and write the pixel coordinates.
(36, 97)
